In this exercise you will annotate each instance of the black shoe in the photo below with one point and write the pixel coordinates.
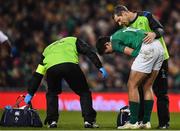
(166, 126)
(90, 125)
(53, 124)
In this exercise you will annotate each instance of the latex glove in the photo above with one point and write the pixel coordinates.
(28, 98)
(8, 107)
(103, 72)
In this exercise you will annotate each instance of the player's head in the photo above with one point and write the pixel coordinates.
(121, 15)
(104, 45)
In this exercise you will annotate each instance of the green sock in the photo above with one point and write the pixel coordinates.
(134, 109)
(148, 105)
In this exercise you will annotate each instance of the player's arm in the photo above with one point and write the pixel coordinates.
(37, 77)
(85, 49)
(128, 51)
(120, 47)
(155, 25)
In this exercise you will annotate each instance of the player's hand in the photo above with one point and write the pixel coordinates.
(150, 36)
(28, 98)
(103, 72)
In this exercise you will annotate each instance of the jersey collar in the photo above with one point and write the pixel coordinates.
(134, 18)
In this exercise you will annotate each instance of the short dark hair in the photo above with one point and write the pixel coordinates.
(100, 44)
(119, 9)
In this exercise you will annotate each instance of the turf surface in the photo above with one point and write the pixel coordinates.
(107, 121)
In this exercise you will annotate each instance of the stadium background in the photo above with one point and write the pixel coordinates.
(32, 25)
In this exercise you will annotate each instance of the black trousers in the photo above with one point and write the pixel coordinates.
(77, 82)
(160, 88)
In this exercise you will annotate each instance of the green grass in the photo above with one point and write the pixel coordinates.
(107, 120)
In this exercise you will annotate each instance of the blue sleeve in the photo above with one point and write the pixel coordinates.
(118, 46)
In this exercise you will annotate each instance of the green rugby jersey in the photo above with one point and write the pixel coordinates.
(145, 21)
(128, 37)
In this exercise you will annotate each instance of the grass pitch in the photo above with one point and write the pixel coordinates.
(71, 120)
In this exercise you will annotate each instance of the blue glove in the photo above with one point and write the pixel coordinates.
(104, 73)
(28, 98)
(8, 107)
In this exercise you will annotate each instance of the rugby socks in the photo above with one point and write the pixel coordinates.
(134, 110)
(148, 105)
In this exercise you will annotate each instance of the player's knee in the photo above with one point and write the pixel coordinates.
(148, 84)
(132, 85)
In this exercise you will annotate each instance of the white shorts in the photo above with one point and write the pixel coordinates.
(149, 58)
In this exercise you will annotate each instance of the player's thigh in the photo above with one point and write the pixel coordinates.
(150, 79)
(136, 78)
(146, 58)
(77, 80)
(158, 63)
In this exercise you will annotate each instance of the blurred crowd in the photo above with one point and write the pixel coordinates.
(32, 25)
